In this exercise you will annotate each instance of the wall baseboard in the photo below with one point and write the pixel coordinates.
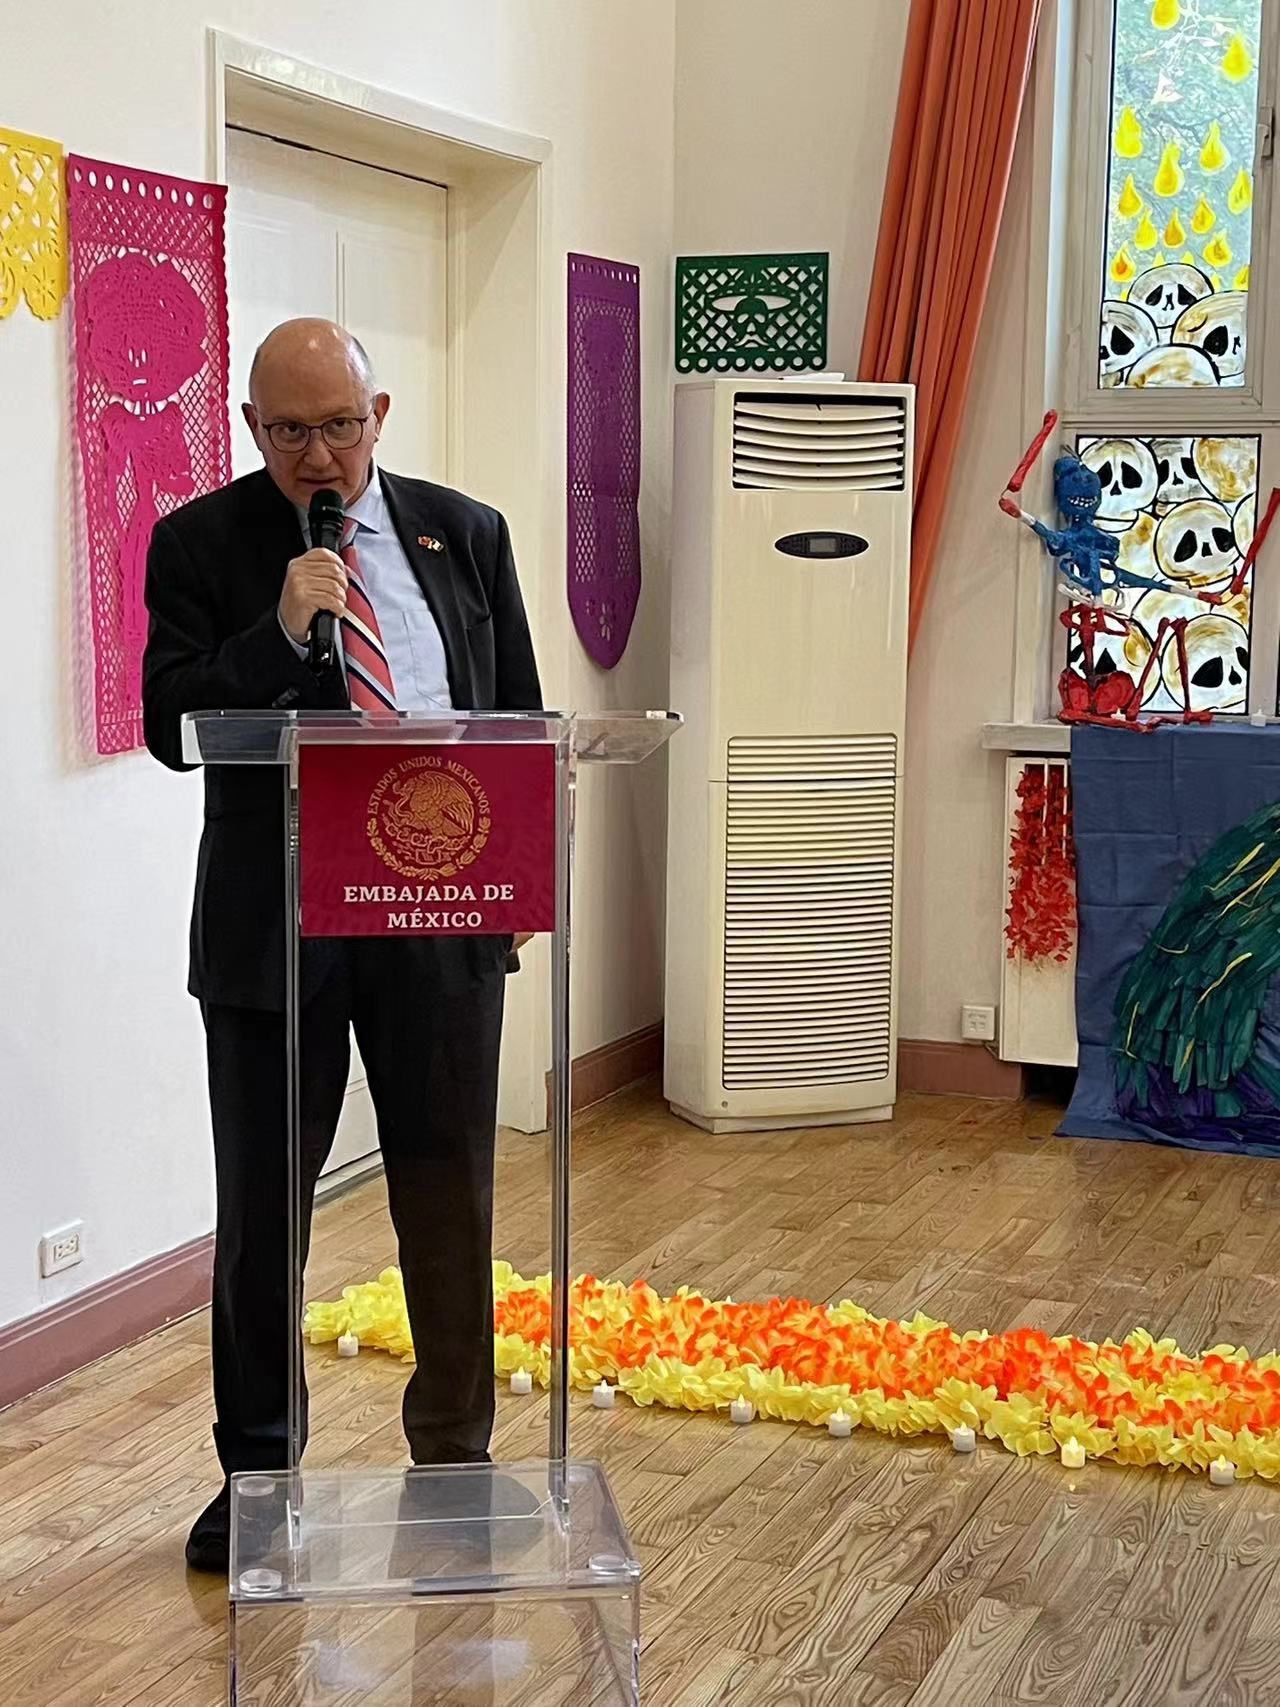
(601, 1072)
(936, 1069)
(79, 1330)
(956, 1069)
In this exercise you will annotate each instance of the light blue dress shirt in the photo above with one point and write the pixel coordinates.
(410, 637)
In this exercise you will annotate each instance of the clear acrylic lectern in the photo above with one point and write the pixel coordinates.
(470, 1584)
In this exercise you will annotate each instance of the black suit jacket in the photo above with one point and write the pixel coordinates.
(215, 572)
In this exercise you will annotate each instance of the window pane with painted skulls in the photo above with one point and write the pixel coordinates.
(1183, 510)
(1184, 112)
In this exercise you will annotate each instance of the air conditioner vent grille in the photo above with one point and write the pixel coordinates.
(809, 903)
(841, 444)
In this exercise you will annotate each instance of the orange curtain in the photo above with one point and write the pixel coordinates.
(964, 73)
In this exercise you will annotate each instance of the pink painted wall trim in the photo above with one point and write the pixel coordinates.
(956, 1069)
(79, 1330)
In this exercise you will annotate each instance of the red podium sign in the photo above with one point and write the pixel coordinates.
(449, 840)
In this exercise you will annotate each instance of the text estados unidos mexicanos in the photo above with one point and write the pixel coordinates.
(434, 893)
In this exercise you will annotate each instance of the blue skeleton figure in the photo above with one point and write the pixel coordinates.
(1082, 549)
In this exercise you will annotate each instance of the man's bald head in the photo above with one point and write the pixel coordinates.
(314, 343)
(315, 374)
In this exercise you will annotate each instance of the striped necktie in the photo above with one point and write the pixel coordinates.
(368, 672)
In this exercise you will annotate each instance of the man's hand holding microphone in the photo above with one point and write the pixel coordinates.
(314, 582)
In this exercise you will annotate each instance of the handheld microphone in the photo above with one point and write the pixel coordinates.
(325, 521)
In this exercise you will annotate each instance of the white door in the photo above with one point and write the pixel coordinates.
(309, 233)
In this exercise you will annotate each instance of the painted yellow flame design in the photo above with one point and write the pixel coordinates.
(1241, 280)
(1240, 195)
(1122, 267)
(1129, 201)
(1128, 140)
(1165, 14)
(1169, 177)
(1203, 219)
(1213, 156)
(1237, 61)
(1174, 232)
(1218, 251)
(1146, 236)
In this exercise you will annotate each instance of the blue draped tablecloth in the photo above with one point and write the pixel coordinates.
(1177, 837)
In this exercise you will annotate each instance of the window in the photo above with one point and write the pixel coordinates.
(1172, 383)
(1182, 133)
(1184, 509)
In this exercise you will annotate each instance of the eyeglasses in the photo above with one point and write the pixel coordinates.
(343, 432)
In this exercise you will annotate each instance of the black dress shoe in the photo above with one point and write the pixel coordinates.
(465, 1498)
(461, 1524)
(209, 1543)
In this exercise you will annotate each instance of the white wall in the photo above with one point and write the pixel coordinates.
(100, 1049)
(783, 127)
(783, 121)
(961, 676)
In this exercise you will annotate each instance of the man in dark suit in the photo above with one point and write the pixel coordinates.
(428, 616)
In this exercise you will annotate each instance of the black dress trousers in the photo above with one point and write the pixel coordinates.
(427, 1016)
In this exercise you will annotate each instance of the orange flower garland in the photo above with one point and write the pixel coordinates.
(1140, 1401)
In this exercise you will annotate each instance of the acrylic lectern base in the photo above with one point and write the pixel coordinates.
(399, 1588)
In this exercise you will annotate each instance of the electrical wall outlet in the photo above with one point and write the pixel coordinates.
(978, 1023)
(63, 1249)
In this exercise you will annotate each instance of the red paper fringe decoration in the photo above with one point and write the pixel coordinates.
(1042, 898)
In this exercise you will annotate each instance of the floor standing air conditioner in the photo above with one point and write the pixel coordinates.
(792, 533)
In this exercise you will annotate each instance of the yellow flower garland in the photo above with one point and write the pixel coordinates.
(1139, 1401)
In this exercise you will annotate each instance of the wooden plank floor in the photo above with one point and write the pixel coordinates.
(782, 1568)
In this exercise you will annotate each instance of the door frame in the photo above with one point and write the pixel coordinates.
(496, 446)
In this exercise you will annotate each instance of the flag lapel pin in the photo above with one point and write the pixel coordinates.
(430, 544)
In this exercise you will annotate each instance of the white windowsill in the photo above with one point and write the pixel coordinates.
(1055, 737)
(1047, 737)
